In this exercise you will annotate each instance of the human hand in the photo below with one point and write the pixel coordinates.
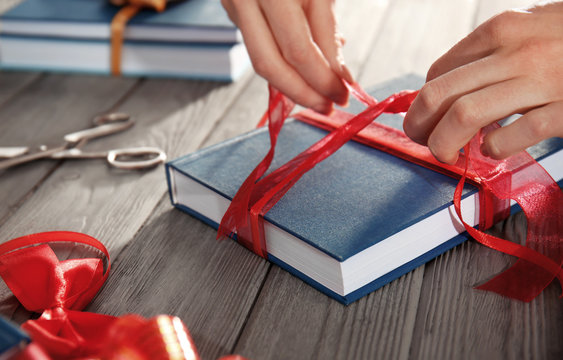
(511, 64)
(295, 45)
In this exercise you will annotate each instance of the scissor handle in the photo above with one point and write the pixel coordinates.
(139, 152)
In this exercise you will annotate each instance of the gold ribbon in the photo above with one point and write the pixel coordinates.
(129, 9)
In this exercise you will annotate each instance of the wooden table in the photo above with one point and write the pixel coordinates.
(233, 301)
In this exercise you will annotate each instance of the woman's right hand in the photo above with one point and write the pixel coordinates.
(295, 45)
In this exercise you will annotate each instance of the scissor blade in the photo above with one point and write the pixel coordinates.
(98, 131)
(12, 151)
(30, 157)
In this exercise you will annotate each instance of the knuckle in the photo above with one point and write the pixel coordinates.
(438, 150)
(262, 66)
(433, 72)
(494, 150)
(531, 47)
(539, 127)
(410, 127)
(464, 112)
(297, 53)
(430, 97)
(502, 27)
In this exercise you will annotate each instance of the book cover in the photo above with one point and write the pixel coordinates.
(186, 21)
(356, 221)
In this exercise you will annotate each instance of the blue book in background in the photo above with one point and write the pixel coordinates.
(356, 221)
(192, 38)
(12, 339)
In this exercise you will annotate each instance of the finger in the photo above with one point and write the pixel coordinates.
(324, 29)
(294, 38)
(473, 111)
(498, 31)
(534, 126)
(269, 63)
(436, 96)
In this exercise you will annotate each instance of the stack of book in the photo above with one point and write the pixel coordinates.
(192, 38)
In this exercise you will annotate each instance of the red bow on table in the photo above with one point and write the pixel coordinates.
(520, 178)
(60, 289)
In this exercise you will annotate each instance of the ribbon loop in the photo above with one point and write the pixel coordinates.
(58, 288)
(40, 281)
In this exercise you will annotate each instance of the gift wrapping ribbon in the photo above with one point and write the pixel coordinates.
(129, 9)
(60, 289)
(520, 178)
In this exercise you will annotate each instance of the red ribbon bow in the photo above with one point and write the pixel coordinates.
(520, 178)
(59, 289)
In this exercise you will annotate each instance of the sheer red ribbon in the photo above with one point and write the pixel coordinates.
(59, 289)
(519, 178)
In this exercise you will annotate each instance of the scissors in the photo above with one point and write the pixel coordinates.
(128, 158)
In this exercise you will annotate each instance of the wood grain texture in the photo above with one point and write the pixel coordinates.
(291, 320)
(12, 83)
(88, 196)
(452, 315)
(47, 109)
(91, 197)
(175, 266)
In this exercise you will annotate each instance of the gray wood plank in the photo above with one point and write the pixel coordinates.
(292, 320)
(11, 83)
(175, 266)
(89, 196)
(111, 204)
(42, 114)
(448, 300)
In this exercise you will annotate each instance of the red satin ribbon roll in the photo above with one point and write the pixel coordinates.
(535, 191)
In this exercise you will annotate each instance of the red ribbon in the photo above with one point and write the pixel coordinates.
(59, 289)
(535, 191)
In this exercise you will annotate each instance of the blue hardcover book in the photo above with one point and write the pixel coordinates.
(12, 339)
(193, 39)
(356, 221)
(202, 21)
